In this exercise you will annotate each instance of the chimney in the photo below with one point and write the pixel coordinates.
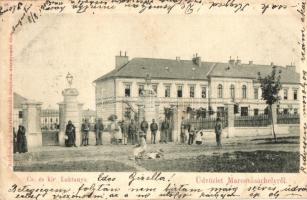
(250, 62)
(197, 60)
(238, 62)
(231, 61)
(291, 67)
(178, 58)
(121, 60)
(272, 63)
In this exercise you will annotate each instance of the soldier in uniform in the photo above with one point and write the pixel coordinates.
(124, 128)
(153, 129)
(98, 128)
(85, 128)
(132, 130)
(164, 131)
(218, 131)
(144, 127)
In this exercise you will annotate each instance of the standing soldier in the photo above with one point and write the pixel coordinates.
(125, 127)
(218, 131)
(132, 130)
(85, 128)
(144, 127)
(153, 129)
(164, 131)
(182, 131)
(98, 128)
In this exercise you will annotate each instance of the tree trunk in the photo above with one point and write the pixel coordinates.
(273, 130)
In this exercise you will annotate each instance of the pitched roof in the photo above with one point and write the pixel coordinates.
(251, 71)
(160, 69)
(18, 100)
(188, 70)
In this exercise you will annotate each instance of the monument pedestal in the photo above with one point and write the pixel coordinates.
(70, 109)
(31, 122)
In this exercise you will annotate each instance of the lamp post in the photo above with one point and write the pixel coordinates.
(69, 79)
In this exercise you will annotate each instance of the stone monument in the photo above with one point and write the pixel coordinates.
(148, 106)
(70, 109)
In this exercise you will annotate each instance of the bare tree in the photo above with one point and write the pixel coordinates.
(270, 86)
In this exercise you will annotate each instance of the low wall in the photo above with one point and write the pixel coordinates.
(280, 129)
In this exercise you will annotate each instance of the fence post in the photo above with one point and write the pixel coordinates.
(31, 122)
(230, 119)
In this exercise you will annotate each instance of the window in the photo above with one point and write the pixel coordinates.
(244, 111)
(285, 94)
(266, 111)
(20, 114)
(50, 120)
(127, 90)
(232, 91)
(220, 112)
(192, 91)
(167, 91)
(286, 111)
(155, 89)
(45, 120)
(56, 120)
(256, 112)
(179, 91)
(141, 90)
(220, 91)
(255, 93)
(244, 90)
(295, 111)
(295, 94)
(203, 92)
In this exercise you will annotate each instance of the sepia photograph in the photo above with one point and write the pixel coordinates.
(112, 93)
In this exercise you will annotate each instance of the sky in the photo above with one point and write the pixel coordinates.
(86, 46)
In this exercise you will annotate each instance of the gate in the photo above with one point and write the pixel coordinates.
(208, 120)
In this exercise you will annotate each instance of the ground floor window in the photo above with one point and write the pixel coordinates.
(256, 111)
(220, 112)
(244, 111)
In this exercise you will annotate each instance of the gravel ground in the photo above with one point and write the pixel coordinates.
(237, 155)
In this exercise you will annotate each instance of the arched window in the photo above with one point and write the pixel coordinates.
(232, 91)
(220, 91)
(244, 91)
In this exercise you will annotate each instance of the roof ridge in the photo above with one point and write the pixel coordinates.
(211, 68)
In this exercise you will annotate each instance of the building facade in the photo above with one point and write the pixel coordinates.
(191, 84)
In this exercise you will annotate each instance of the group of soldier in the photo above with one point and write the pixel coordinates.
(190, 134)
(122, 132)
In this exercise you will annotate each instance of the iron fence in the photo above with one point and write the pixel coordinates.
(288, 118)
(207, 122)
(252, 121)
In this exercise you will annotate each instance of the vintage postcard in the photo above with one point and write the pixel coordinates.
(153, 99)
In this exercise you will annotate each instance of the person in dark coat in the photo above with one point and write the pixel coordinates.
(144, 127)
(132, 130)
(22, 146)
(70, 135)
(85, 128)
(182, 131)
(153, 129)
(164, 131)
(98, 128)
(14, 141)
(218, 131)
